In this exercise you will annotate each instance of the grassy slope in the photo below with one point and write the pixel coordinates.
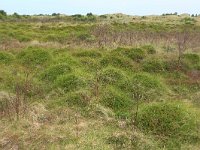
(77, 95)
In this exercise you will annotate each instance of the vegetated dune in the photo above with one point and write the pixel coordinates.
(100, 82)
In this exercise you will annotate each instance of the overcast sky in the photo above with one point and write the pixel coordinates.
(132, 7)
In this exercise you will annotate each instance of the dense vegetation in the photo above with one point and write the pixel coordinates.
(99, 82)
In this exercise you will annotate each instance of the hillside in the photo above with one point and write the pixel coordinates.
(99, 82)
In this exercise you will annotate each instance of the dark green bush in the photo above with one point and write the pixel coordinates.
(153, 66)
(34, 57)
(171, 120)
(6, 58)
(51, 73)
(69, 82)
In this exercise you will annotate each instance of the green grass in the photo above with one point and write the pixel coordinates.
(79, 83)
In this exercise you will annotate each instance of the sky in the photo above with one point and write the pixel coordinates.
(131, 7)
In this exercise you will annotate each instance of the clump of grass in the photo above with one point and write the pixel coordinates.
(78, 98)
(116, 61)
(51, 73)
(118, 101)
(111, 75)
(69, 82)
(168, 120)
(62, 56)
(192, 60)
(6, 58)
(136, 54)
(90, 64)
(153, 66)
(146, 85)
(34, 57)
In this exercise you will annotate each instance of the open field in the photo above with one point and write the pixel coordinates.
(100, 82)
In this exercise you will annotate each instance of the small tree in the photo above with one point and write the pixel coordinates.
(55, 14)
(16, 15)
(3, 13)
(183, 38)
(138, 96)
(89, 14)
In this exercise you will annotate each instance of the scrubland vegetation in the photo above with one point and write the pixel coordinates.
(99, 82)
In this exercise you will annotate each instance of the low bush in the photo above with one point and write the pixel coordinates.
(116, 61)
(90, 64)
(119, 102)
(111, 75)
(69, 82)
(136, 54)
(172, 65)
(6, 58)
(78, 98)
(64, 58)
(192, 58)
(148, 87)
(34, 57)
(153, 66)
(51, 73)
(169, 120)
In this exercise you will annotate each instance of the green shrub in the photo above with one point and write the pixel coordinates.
(120, 103)
(6, 58)
(153, 66)
(171, 120)
(146, 85)
(149, 49)
(116, 61)
(172, 65)
(90, 64)
(78, 98)
(69, 82)
(65, 58)
(23, 38)
(191, 59)
(111, 75)
(34, 57)
(51, 73)
(136, 54)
